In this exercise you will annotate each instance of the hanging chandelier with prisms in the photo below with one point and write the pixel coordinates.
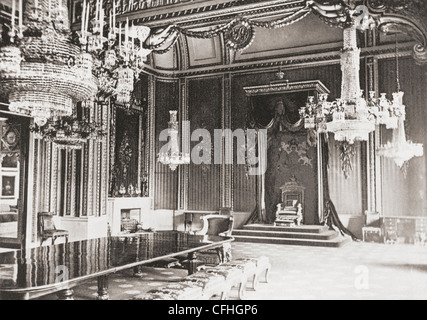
(173, 157)
(69, 132)
(43, 73)
(119, 51)
(352, 117)
(399, 149)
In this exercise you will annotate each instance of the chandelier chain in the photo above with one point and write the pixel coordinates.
(397, 65)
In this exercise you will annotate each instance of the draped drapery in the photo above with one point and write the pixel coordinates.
(330, 213)
(259, 214)
(345, 188)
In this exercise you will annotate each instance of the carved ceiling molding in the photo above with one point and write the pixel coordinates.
(313, 60)
(407, 16)
(238, 33)
(209, 13)
(389, 16)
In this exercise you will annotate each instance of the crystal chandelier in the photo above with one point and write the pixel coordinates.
(69, 132)
(399, 149)
(42, 71)
(352, 117)
(173, 157)
(119, 53)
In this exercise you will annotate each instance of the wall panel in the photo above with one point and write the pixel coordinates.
(205, 112)
(406, 194)
(165, 180)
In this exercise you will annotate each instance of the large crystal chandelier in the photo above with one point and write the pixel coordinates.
(352, 117)
(399, 149)
(119, 51)
(69, 132)
(42, 72)
(173, 157)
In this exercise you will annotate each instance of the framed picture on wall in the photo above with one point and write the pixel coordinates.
(8, 187)
(76, 13)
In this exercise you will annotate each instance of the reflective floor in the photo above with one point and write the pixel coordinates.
(356, 271)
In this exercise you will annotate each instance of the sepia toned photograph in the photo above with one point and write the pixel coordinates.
(213, 151)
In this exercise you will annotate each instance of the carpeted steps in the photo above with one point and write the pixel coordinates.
(300, 229)
(304, 235)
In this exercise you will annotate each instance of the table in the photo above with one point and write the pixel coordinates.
(28, 274)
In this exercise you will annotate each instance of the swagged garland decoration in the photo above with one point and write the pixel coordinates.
(239, 33)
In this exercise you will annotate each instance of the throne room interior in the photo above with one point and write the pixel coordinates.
(249, 66)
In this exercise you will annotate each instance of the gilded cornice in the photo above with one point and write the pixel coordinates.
(273, 63)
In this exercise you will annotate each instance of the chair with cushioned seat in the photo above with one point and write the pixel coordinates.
(234, 278)
(173, 291)
(262, 265)
(48, 230)
(212, 284)
(216, 225)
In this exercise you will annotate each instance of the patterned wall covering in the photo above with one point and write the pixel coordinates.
(165, 180)
(205, 108)
(127, 150)
(406, 196)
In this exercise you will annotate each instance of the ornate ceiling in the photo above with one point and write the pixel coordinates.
(259, 30)
(289, 29)
(212, 34)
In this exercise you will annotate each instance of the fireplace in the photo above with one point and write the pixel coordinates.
(126, 209)
(129, 219)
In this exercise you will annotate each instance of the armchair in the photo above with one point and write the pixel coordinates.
(290, 211)
(48, 230)
(216, 225)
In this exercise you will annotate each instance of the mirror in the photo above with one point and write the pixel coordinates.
(13, 141)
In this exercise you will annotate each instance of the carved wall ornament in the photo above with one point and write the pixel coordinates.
(240, 35)
(10, 138)
(239, 32)
(125, 154)
(347, 153)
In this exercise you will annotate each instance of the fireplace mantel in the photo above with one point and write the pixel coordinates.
(116, 205)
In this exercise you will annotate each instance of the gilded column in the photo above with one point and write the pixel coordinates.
(90, 177)
(48, 176)
(54, 178)
(104, 165)
(35, 190)
(227, 168)
(373, 161)
(72, 186)
(112, 147)
(185, 134)
(151, 134)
